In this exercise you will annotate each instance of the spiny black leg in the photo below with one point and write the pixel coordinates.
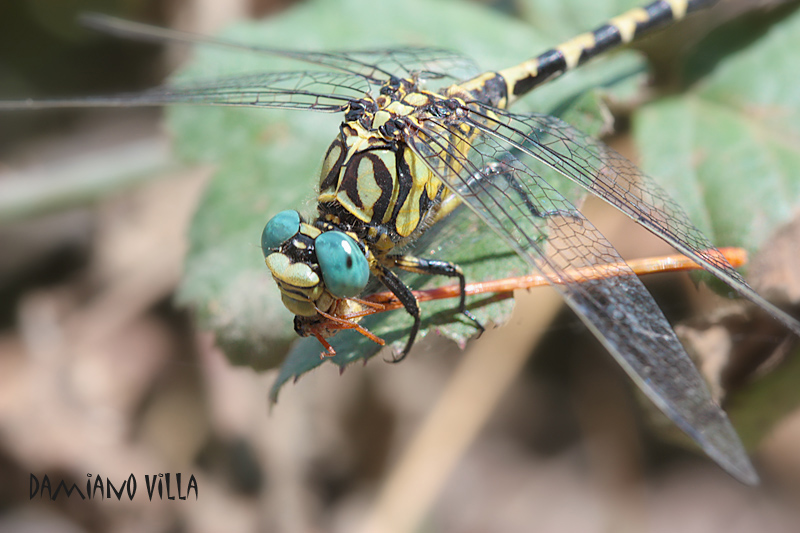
(433, 267)
(409, 301)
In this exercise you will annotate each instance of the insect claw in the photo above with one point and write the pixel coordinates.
(475, 321)
(329, 351)
(394, 360)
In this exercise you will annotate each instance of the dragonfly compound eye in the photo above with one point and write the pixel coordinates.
(344, 267)
(278, 230)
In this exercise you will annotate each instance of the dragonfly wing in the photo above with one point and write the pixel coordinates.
(316, 91)
(421, 62)
(375, 65)
(552, 236)
(607, 174)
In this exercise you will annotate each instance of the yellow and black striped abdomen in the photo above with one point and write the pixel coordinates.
(620, 30)
(387, 186)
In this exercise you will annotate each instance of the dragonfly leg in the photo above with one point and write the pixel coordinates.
(434, 267)
(509, 175)
(409, 301)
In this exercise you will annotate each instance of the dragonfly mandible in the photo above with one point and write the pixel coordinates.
(405, 157)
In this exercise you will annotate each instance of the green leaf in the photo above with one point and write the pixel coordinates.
(268, 160)
(728, 149)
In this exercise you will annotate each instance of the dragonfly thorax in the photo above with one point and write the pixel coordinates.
(370, 176)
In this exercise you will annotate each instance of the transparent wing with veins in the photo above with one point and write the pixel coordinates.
(355, 75)
(376, 65)
(315, 91)
(610, 176)
(551, 235)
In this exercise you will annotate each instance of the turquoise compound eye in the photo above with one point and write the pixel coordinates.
(344, 267)
(278, 230)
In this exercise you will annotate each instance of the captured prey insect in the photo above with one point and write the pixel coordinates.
(405, 157)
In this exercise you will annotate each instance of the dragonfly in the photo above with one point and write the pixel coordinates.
(406, 157)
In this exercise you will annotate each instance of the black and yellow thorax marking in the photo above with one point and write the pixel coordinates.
(373, 176)
(369, 175)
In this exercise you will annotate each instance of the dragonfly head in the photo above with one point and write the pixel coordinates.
(313, 268)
